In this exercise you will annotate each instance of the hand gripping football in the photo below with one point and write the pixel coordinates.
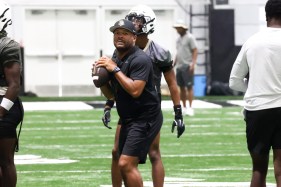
(100, 76)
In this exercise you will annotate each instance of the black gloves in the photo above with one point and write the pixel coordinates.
(178, 121)
(106, 117)
(106, 114)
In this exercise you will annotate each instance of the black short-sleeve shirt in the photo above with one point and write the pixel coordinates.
(137, 66)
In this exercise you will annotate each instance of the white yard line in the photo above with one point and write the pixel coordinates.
(236, 102)
(184, 182)
(195, 104)
(35, 159)
(77, 105)
(61, 105)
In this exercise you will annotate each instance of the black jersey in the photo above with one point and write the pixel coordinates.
(137, 66)
(162, 61)
(9, 52)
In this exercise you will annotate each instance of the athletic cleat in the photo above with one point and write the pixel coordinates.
(189, 112)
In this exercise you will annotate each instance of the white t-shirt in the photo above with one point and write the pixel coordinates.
(260, 57)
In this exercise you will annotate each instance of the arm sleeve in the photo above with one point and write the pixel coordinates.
(10, 51)
(193, 43)
(162, 57)
(239, 71)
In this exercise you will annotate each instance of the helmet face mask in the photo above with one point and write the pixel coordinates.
(5, 15)
(137, 20)
(143, 18)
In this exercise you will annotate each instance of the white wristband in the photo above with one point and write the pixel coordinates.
(6, 103)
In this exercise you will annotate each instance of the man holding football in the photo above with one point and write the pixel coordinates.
(137, 102)
(143, 19)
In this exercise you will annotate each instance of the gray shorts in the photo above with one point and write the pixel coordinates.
(137, 136)
(184, 77)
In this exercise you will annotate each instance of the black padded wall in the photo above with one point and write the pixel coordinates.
(223, 51)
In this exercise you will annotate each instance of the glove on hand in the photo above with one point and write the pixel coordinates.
(178, 121)
(106, 117)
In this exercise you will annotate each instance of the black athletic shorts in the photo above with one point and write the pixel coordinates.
(263, 130)
(10, 121)
(137, 136)
(184, 77)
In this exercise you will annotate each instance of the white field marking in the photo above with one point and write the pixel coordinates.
(54, 137)
(184, 182)
(89, 127)
(66, 121)
(35, 159)
(62, 128)
(210, 119)
(190, 134)
(108, 156)
(208, 126)
(205, 155)
(64, 171)
(195, 104)
(234, 113)
(77, 105)
(61, 121)
(221, 169)
(65, 147)
(237, 102)
(114, 122)
(65, 105)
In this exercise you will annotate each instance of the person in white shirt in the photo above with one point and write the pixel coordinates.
(257, 72)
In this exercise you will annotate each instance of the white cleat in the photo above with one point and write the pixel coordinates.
(189, 112)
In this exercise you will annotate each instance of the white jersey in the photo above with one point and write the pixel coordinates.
(260, 59)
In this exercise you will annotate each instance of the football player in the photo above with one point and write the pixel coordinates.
(11, 111)
(144, 20)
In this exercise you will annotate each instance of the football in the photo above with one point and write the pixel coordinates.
(100, 76)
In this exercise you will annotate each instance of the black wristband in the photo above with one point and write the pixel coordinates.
(178, 111)
(109, 103)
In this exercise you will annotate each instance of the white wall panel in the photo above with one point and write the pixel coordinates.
(60, 48)
(60, 44)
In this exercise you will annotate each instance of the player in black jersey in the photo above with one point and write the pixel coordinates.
(143, 18)
(11, 111)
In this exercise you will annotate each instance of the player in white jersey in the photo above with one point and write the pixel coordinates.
(257, 72)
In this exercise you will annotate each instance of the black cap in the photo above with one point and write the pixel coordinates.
(123, 24)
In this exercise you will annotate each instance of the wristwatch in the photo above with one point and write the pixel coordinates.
(116, 69)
